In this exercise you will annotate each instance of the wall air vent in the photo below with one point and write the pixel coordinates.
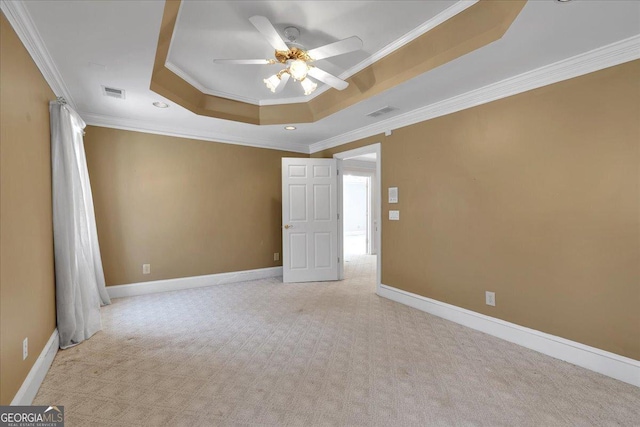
(113, 92)
(381, 111)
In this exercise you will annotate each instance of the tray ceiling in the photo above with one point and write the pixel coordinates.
(207, 30)
(453, 33)
(82, 45)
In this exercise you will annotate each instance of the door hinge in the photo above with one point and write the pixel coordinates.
(337, 171)
(338, 216)
(338, 260)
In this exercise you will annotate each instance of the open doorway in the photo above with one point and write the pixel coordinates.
(359, 207)
(356, 197)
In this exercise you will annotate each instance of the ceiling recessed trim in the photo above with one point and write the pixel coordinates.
(607, 56)
(23, 25)
(195, 83)
(597, 59)
(154, 128)
(420, 30)
(478, 25)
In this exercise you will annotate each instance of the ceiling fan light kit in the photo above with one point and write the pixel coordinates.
(296, 58)
(272, 82)
(308, 86)
(298, 69)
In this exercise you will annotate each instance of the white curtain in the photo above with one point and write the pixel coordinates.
(80, 286)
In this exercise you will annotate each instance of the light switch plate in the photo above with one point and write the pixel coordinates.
(394, 215)
(393, 194)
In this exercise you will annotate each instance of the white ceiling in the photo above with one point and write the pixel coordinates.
(113, 43)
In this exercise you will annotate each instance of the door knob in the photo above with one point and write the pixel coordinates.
(288, 226)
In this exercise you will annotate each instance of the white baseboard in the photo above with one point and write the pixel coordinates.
(143, 288)
(31, 384)
(606, 363)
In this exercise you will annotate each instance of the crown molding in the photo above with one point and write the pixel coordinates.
(607, 56)
(195, 83)
(19, 18)
(426, 26)
(153, 128)
(423, 28)
(443, 16)
(597, 59)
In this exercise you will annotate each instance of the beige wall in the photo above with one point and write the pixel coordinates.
(186, 207)
(27, 284)
(534, 197)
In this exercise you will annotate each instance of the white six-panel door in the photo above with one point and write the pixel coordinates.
(309, 220)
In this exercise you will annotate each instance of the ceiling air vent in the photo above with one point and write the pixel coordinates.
(380, 112)
(113, 92)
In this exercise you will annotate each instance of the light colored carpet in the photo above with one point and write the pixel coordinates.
(266, 353)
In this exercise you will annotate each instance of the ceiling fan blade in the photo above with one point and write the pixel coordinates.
(267, 29)
(334, 49)
(244, 61)
(283, 82)
(327, 78)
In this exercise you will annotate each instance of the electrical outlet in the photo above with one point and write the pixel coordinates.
(490, 298)
(146, 268)
(276, 256)
(25, 348)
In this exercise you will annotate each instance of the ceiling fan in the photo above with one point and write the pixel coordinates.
(296, 58)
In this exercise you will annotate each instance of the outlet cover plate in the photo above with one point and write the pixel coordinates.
(490, 298)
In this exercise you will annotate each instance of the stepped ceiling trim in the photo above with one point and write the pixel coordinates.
(611, 55)
(597, 59)
(604, 57)
(443, 16)
(478, 25)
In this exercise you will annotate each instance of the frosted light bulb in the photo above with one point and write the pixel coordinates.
(298, 69)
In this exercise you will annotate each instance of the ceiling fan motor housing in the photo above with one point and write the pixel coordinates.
(292, 54)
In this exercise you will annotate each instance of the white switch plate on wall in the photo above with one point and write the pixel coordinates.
(393, 194)
(394, 215)
(146, 268)
(25, 348)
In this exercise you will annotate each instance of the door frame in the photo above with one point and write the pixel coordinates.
(368, 149)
